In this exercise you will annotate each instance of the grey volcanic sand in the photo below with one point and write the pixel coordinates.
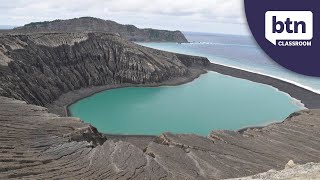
(310, 99)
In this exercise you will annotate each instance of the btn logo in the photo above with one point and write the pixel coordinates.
(289, 28)
(288, 32)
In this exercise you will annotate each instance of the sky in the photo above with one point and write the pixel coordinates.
(211, 16)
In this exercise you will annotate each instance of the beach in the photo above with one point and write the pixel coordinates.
(310, 99)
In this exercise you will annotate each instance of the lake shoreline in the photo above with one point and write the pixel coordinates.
(62, 104)
(309, 99)
(304, 97)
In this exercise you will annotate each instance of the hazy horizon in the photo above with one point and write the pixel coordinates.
(208, 16)
(8, 27)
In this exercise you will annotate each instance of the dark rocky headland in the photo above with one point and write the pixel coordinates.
(53, 70)
(90, 24)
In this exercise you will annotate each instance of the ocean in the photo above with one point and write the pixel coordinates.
(240, 52)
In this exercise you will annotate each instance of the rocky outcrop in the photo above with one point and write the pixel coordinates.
(89, 24)
(35, 144)
(39, 68)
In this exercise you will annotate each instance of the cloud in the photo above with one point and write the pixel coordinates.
(137, 12)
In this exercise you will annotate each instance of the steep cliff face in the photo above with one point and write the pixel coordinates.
(88, 24)
(39, 68)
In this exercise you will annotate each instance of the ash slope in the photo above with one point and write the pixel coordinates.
(39, 68)
(89, 24)
(35, 144)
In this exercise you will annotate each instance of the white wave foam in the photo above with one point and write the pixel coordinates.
(252, 71)
(218, 44)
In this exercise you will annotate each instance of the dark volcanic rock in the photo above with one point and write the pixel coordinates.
(40, 68)
(35, 144)
(89, 24)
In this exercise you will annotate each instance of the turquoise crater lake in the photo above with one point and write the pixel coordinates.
(211, 102)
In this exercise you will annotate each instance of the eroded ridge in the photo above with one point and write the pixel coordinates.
(35, 144)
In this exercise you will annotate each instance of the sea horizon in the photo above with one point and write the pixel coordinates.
(202, 48)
